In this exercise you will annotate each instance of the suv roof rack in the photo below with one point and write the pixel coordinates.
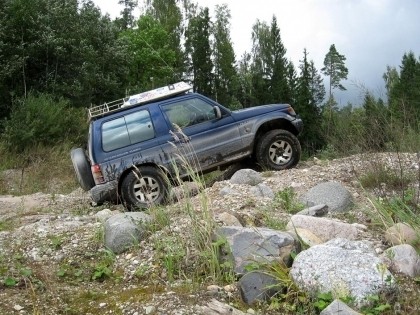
(139, 99)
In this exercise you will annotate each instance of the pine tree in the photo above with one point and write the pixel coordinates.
(310, 92)
(335, 69)
(225, 77)
(404, 94)
(375, 123)
(198, 49)
(316, 84)
(245, 89)
(269, 66)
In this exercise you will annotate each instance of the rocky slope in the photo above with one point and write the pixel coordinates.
(53, 259)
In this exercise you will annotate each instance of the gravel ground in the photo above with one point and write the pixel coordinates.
(52, 259)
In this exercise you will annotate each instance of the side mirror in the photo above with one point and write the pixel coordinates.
(217, 112)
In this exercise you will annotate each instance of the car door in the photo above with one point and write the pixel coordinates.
(199, 136)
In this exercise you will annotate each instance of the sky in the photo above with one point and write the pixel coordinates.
(371, 34)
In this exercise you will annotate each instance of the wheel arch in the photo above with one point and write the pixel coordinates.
(129, 169)
(267, 126)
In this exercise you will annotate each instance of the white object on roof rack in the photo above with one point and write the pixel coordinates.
(141, 98)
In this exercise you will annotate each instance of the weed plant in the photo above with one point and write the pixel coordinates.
(286, 199)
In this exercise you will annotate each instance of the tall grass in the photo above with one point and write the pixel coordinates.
(200, 247)
(37, 169)
(395, 194)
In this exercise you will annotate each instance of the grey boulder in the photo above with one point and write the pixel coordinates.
(332, 194)
(256, 245)
(258, 286)
(338, 307)
(344, 268)
(124, 230)
(246, 176)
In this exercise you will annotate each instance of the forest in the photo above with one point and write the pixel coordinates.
(59, 57)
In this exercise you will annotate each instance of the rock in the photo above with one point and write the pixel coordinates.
(227, 191)
(315, 211)
(213, 289)
(17, 307)
(246, 177)
(258, 286)
(149, 309)
(323, 228)
(103, 215)
(332, 194)
(124, 230)
(228, 219)
(403, 258)
(401, 233)
(338, 307)
(256, 245)
(344, 268)
(229, 288)
(262, 190)
(186, 190)
(305, 236)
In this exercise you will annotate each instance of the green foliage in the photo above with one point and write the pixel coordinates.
(395, 210)
(10, 282)
(61, 48)
(310, 93)
(225, 79)
(290, 299)
(404, 92)
(101, 272)
(152, 60)
(127, 18)
(5, 225)
(199, 52)
(286, 200)
(56, 241)
(323, 300)
(269, 68)
(378, 305)
(169, 15)
(42, 120)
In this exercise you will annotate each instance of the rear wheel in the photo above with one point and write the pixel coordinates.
(278, 149)
(143, 187)
(82, 169)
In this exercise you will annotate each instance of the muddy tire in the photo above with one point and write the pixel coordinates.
(82, 169)
(278, 150)
(143, 187)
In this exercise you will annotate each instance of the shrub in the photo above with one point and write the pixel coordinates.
(42, 120)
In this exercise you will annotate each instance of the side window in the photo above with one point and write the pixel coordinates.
(126, 130)
(189, 112)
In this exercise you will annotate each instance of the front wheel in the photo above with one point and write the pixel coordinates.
(278, 150)
(143, 187)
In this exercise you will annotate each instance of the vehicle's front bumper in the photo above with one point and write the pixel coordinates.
(298, 123)
(105, 192)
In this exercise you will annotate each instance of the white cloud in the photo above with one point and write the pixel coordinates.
(370, 33)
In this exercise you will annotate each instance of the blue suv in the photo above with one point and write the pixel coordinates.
(137, 147)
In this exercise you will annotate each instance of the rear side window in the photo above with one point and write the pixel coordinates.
(126, 130)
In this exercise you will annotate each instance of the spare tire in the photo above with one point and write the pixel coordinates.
(82, 169)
